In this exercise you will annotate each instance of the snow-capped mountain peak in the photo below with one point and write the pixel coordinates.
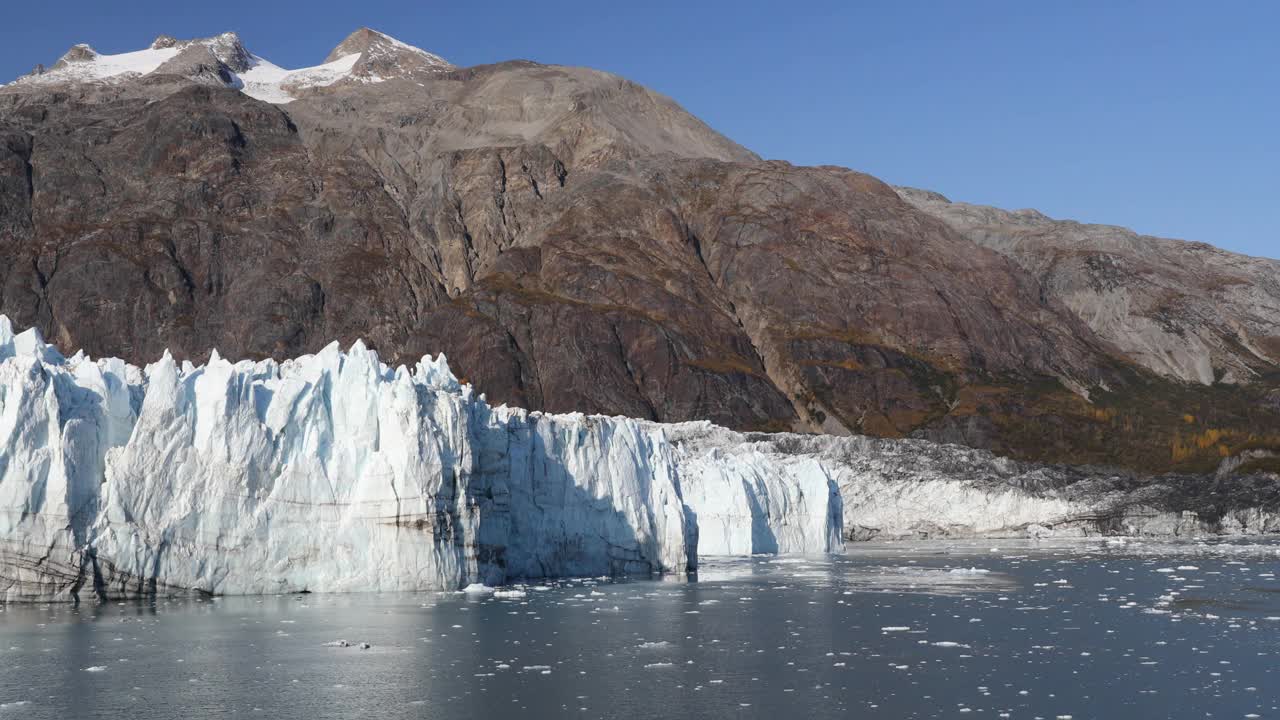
(84, 64)
(77, 53)
(383, 56)
(365, 56)
(219, 56)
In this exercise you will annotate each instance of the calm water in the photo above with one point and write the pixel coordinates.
(998, 629)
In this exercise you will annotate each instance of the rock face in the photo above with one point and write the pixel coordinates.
(382, 56)
(1185, 310)
(573, 241)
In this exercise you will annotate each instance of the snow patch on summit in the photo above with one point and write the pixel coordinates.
(271, 83)
(366, 56)
(83, 64)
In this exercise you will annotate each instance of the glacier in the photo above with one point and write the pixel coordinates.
(895, 489)
(334, 472)
(328, 472)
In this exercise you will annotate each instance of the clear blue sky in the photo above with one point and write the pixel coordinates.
(1162, 116)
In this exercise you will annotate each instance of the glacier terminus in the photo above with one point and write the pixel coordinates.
(333, 472)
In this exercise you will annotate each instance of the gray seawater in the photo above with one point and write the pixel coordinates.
(910, 630)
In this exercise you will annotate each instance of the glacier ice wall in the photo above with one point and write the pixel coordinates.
(884, 488)
(892, 489)
(330, 472)
(745, 502)
(334, 472)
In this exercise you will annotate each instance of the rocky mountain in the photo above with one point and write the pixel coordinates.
(1185, 310)
(574, 241)
(382, 56)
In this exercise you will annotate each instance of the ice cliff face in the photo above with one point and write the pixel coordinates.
(335, 472)
(330, 472)
(891, 489)
(745, 502)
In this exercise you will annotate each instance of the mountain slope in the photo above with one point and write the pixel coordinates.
(1185, 310)
(573, 241)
